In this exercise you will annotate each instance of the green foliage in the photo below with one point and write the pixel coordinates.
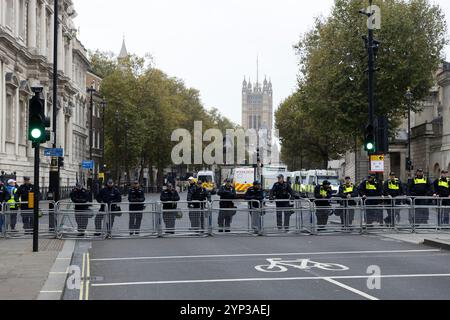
(331, 102)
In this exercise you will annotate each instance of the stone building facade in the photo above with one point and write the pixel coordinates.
(257, 105)
(26, 60)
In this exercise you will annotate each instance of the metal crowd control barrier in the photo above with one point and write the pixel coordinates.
(280, 217)
(235, 217)
(383, 214)
(82, 221)
(430, 214)
(2, 219)
(133, 221)
(18, 220)
(190, 218)
(337, 215)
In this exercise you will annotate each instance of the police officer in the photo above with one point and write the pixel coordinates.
(136, 197)
(321, 194)
(393, 188)
(3, 198)
(81, 197)
(371, 188)
(169, 197)
(255, 196)
(23, 195)
(110, 196)
(197, 196)
(282, 191)
(347, 191)
(227, 193)
(442, 190)
(420, 186)
(12, 201)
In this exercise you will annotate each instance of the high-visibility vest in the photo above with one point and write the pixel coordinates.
(444, 184)
(349, 189)
(370, 186)
(420, 181)
(12, 200)
(323, 193)
(394, 185)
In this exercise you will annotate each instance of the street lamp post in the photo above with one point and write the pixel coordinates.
(103, 104)
(409, 96)
(117, 146)
(126, 153)
(91, 91)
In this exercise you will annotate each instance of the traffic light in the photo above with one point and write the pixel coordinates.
(369, 141)
(409, 165)
(382, 135)
(38, 122)
(61, 162)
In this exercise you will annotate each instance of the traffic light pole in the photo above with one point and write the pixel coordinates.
(36, 198)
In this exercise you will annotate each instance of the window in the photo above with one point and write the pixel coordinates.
(10, 118)
(23, 122)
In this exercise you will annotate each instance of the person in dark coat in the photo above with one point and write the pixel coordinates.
(371, 188)
(420, 186)
(255, 196)
(23, 195)
(347, 191)
(81, 197)
(3, 199)
(322, 194)
(136, 197)
(108, 196)
(442, 190)
(169, 198)
(283, 191)
(227, 193)
(197, 197)
(393, 188)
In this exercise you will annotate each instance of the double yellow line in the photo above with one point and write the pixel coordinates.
(85, 277)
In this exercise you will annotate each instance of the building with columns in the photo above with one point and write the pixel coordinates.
(26, 60)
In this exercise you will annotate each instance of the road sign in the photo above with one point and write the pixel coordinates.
(377, 163)
(88, 164)
(57, 152)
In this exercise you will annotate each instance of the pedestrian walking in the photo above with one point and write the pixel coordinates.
(322, 194)
(23, 193)
(420, 186)
(81, 198)
(442, 190)
(136, 197)
(393, 188)
(283, 191)
(228, 194)
(371, 188)
(169, 198)
(348, 191)
(12, 201)
(197, 197)
(255, 196)
(109, 196)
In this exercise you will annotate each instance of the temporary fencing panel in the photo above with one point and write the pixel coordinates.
(427, 213)
(235, 217)
(280, 217)
(133, 220)
(18, 220)
(2, 219)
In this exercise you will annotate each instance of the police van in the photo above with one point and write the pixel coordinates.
(299, 181)
(242, 179)
(208, 180)
(270, 175)
(317, 177)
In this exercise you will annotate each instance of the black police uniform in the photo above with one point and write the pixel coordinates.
(27, 215)
(108, 196)
(80, 197)
(442, 189)
(420, 187)
(226, 216)
(393, 188)
(325, 205)
(348, 213)
(136, 197)
(197, 217)
(282, 191)
(3, 198)
(372, 190)
(169, 217)
(255, 200)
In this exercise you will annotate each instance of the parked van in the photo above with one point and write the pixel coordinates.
(242, 179)
(317, 177)
(208, 180)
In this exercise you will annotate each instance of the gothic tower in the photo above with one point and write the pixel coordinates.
(257, 105)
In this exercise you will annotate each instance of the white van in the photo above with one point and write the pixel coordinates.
(208, 180)
(242, 179)
(317, 177)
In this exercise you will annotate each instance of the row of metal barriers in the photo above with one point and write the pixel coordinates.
(66, 220)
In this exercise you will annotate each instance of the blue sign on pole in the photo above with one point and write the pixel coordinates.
(57, 152)
(88, 164)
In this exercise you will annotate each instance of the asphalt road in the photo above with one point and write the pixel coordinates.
(236, 268)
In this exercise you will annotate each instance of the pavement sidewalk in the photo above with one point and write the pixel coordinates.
(24, 275)
(438, 240)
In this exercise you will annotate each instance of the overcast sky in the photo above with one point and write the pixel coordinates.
(210, 44)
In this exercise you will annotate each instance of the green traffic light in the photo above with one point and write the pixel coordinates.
(36, 133)
(370, 146)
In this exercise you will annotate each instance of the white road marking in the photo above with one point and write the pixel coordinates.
(265, 255)
(344, 286)
(121, 284)
(55, 291)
